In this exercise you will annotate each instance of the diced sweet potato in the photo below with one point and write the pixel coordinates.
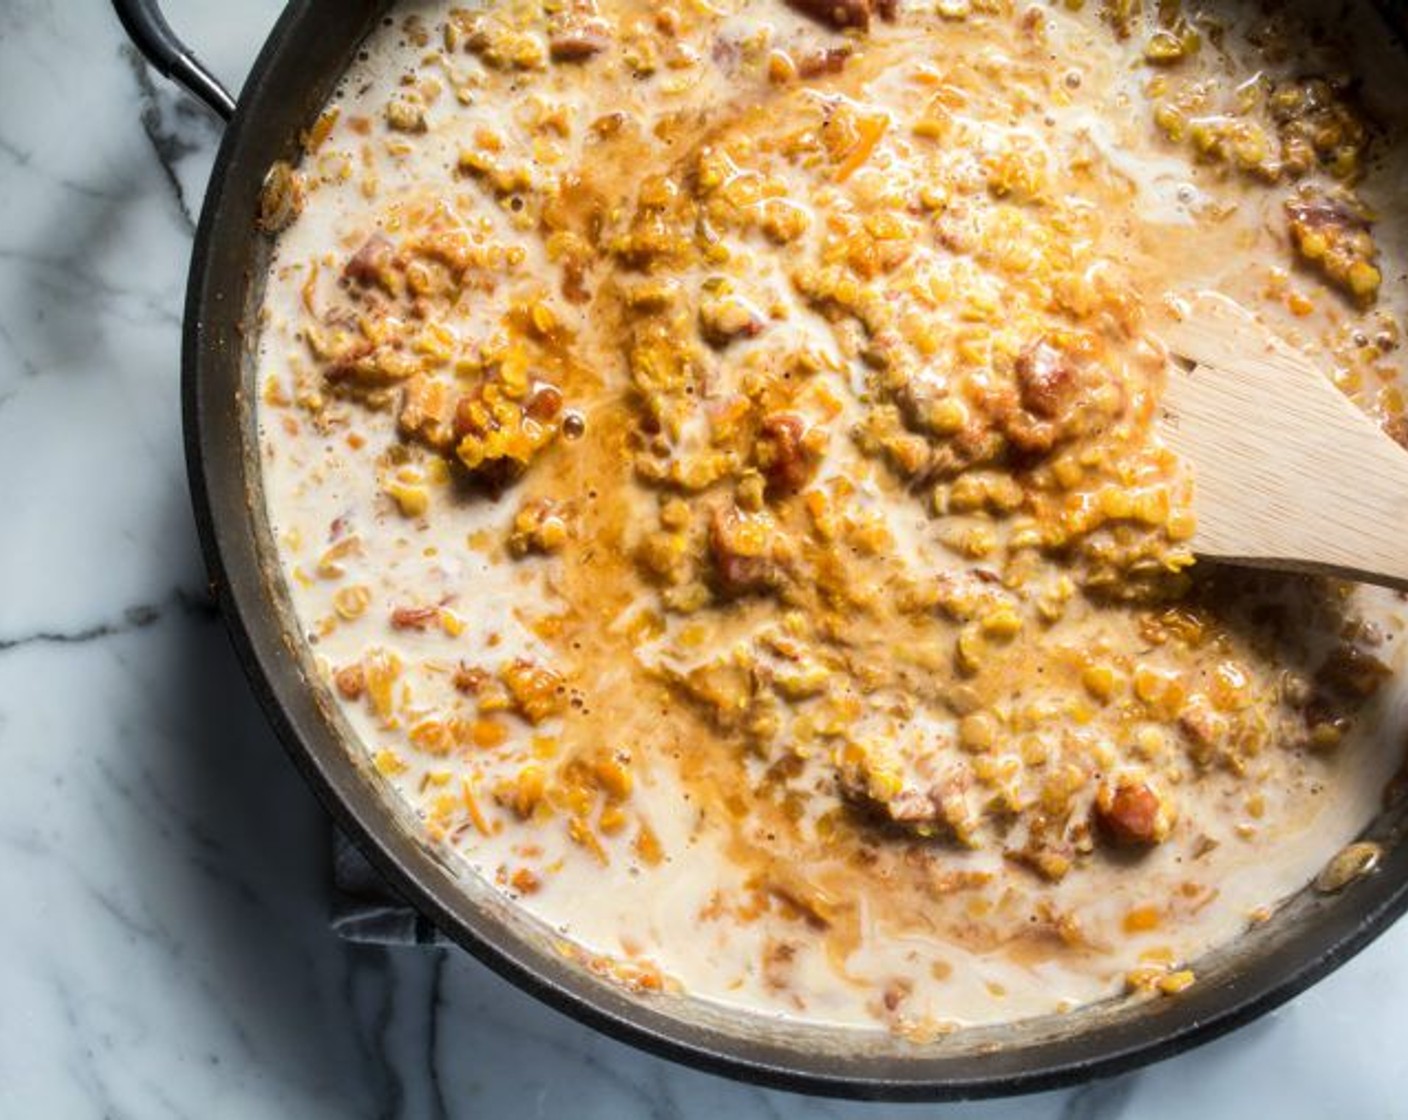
(844, 14)
(370, 263)
(414, 618)
(1129, 812)
(814, 64)
(1045, 379)
(839, 14)
(783, 452)
(470, 679)
(577, 32)
(742, 549)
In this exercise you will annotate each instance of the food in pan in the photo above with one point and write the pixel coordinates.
(713, 453)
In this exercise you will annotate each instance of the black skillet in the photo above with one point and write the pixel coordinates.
(296, 73)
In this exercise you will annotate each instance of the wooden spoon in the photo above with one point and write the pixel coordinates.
(1288, 473)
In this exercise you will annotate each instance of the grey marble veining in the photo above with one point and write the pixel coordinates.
(164, 949)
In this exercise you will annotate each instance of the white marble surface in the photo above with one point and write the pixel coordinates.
(163, 939)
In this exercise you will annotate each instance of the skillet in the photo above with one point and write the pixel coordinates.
(296, 73)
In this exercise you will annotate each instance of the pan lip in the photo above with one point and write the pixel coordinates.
(259, 642)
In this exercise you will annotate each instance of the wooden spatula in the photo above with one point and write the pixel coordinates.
(1288, 473)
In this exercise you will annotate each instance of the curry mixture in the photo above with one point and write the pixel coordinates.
(713, 452)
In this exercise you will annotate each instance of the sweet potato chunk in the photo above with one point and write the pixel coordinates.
(370, 263)
(784, 452)
(577, 32)
(1045, 378)
(843, 14)
(1130, 813)
(744, 549)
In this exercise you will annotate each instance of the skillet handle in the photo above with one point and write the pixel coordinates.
(152, 35)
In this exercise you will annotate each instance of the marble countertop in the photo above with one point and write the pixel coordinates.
(164, 946)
